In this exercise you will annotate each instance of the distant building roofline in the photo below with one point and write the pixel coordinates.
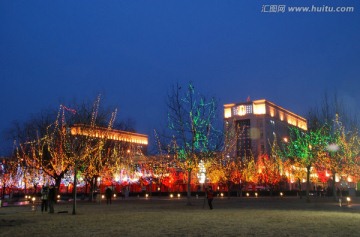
(111, 134)
(263, 101)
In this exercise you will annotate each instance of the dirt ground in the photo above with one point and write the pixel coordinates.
(288, 216)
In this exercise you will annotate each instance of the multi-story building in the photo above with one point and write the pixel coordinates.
(252, 127)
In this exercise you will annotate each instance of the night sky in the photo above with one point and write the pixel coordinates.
(132, 52)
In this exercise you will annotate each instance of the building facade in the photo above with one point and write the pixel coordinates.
(135, 142)
(251, 127)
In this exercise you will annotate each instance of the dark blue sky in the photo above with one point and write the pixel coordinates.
(132, 52)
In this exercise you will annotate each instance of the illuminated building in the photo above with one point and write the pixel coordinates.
(140, 141)
(253, 125)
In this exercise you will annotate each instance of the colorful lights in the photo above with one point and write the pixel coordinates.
(202, 172)
(127, 170)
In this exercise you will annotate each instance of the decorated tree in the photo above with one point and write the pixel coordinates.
(191, 120)
(306, 148)
(341, 126)
(269, 171)
(354, 167)
(162, 163)
(343, 150)
(227, 162)
(32, 178)
(45, 146)
(8, 175)
(295, 173)
(224, 170)
(249, 174)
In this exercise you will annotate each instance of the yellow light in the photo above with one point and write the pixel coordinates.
(281, 115)
(171, 195)
(302, 125)
(348, 199)
(114, 195)
(221, 194)
(58, 196)
(259, 108)
(102, 196)
(227, 112)
(291, 121)
(247, 194)
(256, 194)
(33, 199)
(281, 194)
(146, 195)
(179, 195)
(272, 111)
(337, 178)
(241, 110)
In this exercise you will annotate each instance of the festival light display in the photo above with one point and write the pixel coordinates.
(108, 157)
(190, 119)
(305, 148)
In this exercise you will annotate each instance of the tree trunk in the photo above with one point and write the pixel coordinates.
(58, 182)
(3, 191)
(74, 190)
(300, 189)
(91, 183)
(189, 188)
(271, 190)
(308, 183)
(228, 188)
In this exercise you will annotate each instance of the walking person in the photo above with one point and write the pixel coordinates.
(51, 198)
(44, 198)
(210, 196)
(108, 194)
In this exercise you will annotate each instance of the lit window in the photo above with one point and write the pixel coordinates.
(259, 108)
(227, 113)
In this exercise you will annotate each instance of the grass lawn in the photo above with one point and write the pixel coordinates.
(155, 216)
